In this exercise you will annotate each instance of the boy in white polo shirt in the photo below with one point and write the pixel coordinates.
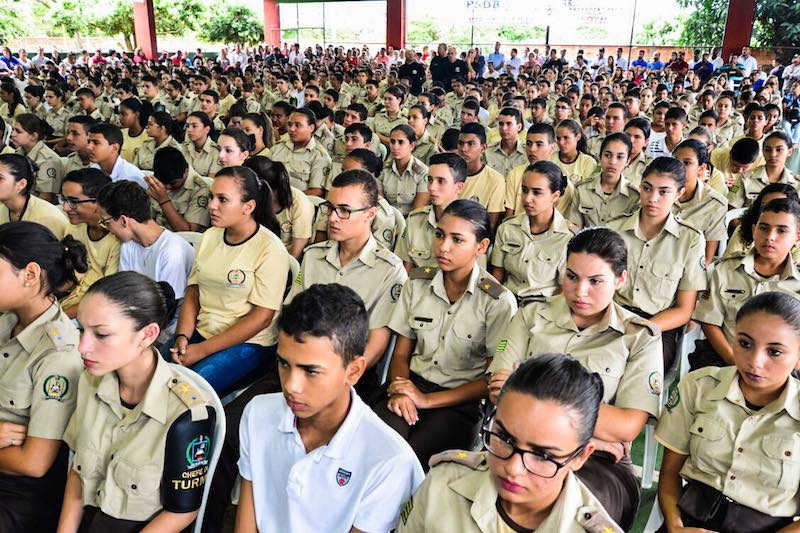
(315, 457)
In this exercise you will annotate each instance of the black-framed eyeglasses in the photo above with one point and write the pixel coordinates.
(73, 202)
(537, 463)
(342, 212)
(104, 222)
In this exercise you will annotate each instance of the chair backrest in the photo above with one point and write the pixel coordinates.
(316, 200)
(730, 216)
(207, 180)
(219, 433)
(294, 266)
(399, 225)
(192, 237)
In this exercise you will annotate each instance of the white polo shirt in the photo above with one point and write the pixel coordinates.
(361, 478)
(123, 170)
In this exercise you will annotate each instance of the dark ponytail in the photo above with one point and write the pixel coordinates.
(274, 173)
(142, 107)
(26, 242)
(22, 168)
(254, 189)
(34, 125)
(139, 298)
(555, 178)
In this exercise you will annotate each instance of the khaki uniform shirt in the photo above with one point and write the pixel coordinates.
(721, 159)
(121, 454)
(7, 116)
(672, 261)
(51, 169)
(579, 170)
(488, 188)
(748, 455)
(204, 161)
(733, 282)
(533, 263)
(325, 138)
(383, 227)
(591, 206)
(132, 145)
(705, 211)
(234, 278)
(458, 494)
(416, 243)
(502, 162)
(717, 182)
(225, 104)
(39, 373)
(190, 201)
(728, 131)
(43, 212)
(453, 339)
(635, 169)
(376, 275)
(401, 189)
(58, 121)
(102, 257)
(147, 152)
(307, 166)
(513, 195)
(383, 125)
(297, 222)
(425, 148)
(623, 348)
(748, 185)
(180, 105)
(73, 162)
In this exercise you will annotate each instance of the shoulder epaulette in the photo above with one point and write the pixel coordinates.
(473, 460)
(688, 224)
(651, 326)
(320, 245)
(388, 256)
(59, 336)
(423, 273)
(594, 519)
(190, 397)
(491, 286)
(419, 211)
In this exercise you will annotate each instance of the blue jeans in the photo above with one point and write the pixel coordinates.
(225, 368)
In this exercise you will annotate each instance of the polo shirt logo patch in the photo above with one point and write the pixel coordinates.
(236, 278)
(55, 387)
(197, 452)
(395, 293)
(342, 477)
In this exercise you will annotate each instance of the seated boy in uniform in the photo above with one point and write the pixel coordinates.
(314, 457)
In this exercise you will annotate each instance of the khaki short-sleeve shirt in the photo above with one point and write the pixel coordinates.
(43, 212)
(132, 145)
(73, 162)
(705, 211)
(635, 169)
(377, 276)
(58, 121)
(383, 125)
(298, 220)
(734, 281)
(102, 257)
(307, 166)
(591, 206)
(383, 227)
(453, 340)
(488, 188)
(39, 371)
(234, 278)
(751, 456)
(513, 195)
(204, 161)
(425, 148)
(748, 185)
(502, 162)
(623, 348)
(147, 152)
(190, 201)
(672, 261)
(401, 189)
(579, 170)
(121, 454)
(50, 168)
(416, 243)
(533, 263)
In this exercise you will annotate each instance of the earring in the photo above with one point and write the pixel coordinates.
(27, 284)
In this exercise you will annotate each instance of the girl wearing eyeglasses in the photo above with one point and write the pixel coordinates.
(525, 480)
(17, 175)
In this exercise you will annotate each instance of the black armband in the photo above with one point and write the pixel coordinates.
(186, 458)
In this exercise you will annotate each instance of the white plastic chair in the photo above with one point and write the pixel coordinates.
(386, 360)
(730, 216)
(208, 181)
(316, 200)
(399, 225)
(192, 237)
(219, 433)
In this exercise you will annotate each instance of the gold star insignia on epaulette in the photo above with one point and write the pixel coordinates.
(427, 270)
(183, 389)
(608, 530)
(461, 455)
(486, 286)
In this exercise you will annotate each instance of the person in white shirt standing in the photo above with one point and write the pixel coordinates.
(314, 457)
(749, 62)
(513, 63)
(621, 62)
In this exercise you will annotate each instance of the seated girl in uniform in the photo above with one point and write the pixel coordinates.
(259, 126)
(17, 175)
(768, 265)
(79, 198)
(142, 432)
(573, 156)
(419, 120)
(700, 205)
(666, 256)
(777, 149)
(448, 323)
(624, 348)
(159, 129)
(742, 238)
(525, 480)
(28, 134)
(133, 117)
(404, 178)
(530, 248)
(732, 433)
(201, 152)
(236, 285)
(293, 209)
(235, 146)
(606, 194)
(40, 370)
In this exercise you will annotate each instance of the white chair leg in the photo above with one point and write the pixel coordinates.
(649, 460)
(655, 519)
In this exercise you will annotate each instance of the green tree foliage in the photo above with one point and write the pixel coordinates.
(659, 32)
(118, 22)
(232, 25)
(10, 27)
(423, 31)
(777, 23)
(177, 17)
